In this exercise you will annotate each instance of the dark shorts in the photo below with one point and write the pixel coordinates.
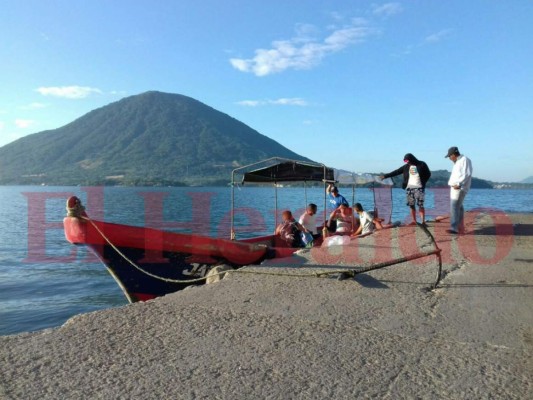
(415, 196)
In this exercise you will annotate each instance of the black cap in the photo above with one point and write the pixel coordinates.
(409, 157)
(334, 189)
(452, 150)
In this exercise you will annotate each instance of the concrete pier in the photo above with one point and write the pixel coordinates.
(383, 334)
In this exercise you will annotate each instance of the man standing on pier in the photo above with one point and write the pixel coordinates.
(459, 182)
(415, 176)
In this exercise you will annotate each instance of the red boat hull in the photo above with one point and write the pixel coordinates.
(148, 263)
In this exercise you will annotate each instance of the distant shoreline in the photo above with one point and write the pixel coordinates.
(506, 186)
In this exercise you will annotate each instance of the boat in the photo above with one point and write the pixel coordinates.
(148, 263)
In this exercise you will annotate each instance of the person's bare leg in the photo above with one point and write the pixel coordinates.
(413, 214)
(422, 211)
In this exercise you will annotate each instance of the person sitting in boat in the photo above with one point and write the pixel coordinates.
(289, 230)
(308, 220)
(335, 200)
(367, 222)
(342, 217)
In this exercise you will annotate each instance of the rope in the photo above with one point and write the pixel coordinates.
(242, 270)
(139, 268)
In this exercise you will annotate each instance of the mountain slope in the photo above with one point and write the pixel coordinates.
(149, 138)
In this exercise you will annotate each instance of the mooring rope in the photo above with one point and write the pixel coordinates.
(75, 209)
(240, 270)
(243, 270)
(133, 264)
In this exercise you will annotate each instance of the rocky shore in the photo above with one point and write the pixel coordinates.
(383, 334)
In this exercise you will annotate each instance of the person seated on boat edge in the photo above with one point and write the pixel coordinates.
(289, 230)
(335, 200)
(342, 217)
(308, 220)
(367, 222)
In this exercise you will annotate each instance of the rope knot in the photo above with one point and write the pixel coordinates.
(74, 207)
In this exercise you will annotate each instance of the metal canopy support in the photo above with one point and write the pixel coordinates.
(275, 205)
(232, 230)
(325, 198)
(312, 170)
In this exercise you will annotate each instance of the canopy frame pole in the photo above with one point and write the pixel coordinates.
(325, 195)
(376, 212)
(232, 213)
(275, 205)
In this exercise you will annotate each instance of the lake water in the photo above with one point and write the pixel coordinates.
(44, 280)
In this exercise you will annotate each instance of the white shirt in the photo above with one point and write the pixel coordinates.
(461, 173)
(308, 222)
(367, 223)
(414, 178)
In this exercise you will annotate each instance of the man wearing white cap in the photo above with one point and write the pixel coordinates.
(459, 182)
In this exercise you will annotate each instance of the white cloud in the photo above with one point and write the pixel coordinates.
(427, 41)
(336, 15)
(251, 103)
(69, 92)
(2, 125)
(294, 101)
(303, 51)
(34, 106)
(437, 37)
(23, 123)
(387, 9)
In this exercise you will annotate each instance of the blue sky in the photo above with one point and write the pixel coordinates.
(352, 84)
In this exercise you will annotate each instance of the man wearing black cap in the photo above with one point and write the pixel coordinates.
(415, 176)
(459, 182)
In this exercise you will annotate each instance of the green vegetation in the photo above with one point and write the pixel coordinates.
(150, 139)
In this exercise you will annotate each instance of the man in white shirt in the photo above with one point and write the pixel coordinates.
(367, 223)
(308, 219)
(459, 182)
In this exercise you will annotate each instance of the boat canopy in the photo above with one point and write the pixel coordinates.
(277, 170)
(356, 178)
